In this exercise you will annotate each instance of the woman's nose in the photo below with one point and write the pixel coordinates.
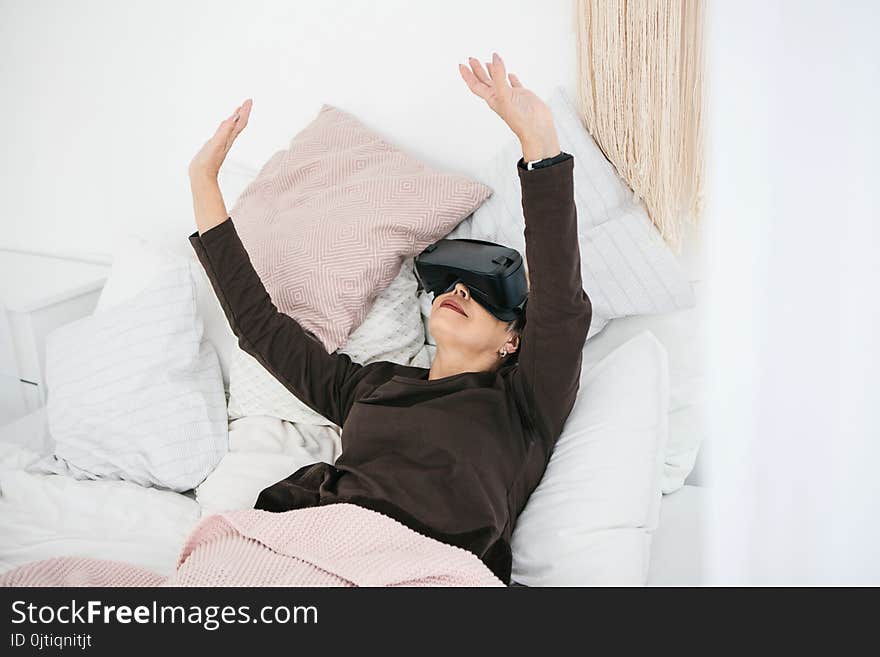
(461, 288)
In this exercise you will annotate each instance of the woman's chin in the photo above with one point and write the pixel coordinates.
(443, 329)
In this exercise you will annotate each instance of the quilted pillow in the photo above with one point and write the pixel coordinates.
(135, 391)
(329, 221)
(138, 258)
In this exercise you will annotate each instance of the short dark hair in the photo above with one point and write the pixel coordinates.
(518, 326)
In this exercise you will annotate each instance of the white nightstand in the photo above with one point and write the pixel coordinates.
(38, 293)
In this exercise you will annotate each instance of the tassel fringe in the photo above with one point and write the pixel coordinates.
(641, 95)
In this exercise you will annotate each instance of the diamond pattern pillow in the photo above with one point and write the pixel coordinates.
(329, 221)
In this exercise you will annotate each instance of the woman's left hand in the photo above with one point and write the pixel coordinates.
(207, 162)
(523, 111)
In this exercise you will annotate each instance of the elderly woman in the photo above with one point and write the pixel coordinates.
(453, 451)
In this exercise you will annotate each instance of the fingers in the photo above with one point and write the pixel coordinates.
(472, 82)
(241, 118)
(477, 68)
(481, 82)
(493, 84)
(497, 70)
(225, 127)
(232, 126)
(235, 122)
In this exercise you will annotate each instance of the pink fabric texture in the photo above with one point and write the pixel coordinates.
(328, 221)
(332, 545)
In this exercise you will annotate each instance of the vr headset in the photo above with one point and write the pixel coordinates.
(494, 274)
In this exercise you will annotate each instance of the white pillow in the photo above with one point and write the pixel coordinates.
(392, 331)
(135, 392)
(253, 391)
(680, 332)
(136, 262)
(626, 266)
(590, 520)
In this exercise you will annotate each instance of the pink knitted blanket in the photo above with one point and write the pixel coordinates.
(333, 545)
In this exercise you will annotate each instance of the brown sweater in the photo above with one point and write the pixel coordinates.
(454, 458)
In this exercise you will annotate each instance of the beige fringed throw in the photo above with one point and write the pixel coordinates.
(640, 92)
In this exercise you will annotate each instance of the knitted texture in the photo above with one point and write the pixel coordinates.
(332, 545)
(79, 571)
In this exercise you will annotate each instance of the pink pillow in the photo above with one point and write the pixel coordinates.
(328, 222)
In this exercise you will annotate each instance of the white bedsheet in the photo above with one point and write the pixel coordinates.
(43, 516)
(262, 451)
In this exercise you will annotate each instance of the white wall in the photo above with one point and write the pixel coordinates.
(793, 253)
(105, 102)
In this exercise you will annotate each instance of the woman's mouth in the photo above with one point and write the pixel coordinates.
(448, 303)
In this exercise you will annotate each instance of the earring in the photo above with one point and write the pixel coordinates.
(503, 352)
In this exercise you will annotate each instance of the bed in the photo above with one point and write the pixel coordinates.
(47, 515)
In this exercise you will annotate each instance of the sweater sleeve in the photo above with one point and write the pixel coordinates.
(325, 382)
(558, 312)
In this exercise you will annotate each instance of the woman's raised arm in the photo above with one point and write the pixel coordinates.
(208, 205)
(323, 381)
(559, 312)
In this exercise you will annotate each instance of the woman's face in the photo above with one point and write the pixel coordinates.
(459, 322)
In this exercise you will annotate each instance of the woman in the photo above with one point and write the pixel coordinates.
(453, 451)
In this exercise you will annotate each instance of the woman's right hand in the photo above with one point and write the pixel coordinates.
(206, 163)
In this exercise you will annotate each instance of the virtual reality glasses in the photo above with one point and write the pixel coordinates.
(494, 274)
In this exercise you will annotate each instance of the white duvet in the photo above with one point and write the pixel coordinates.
(43, 516)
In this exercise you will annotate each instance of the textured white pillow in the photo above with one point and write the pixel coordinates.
(254, 391)
(590, 520)
(392, 331)
(135, 392)
(136, 262)
(626, 266)
(680, 332)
